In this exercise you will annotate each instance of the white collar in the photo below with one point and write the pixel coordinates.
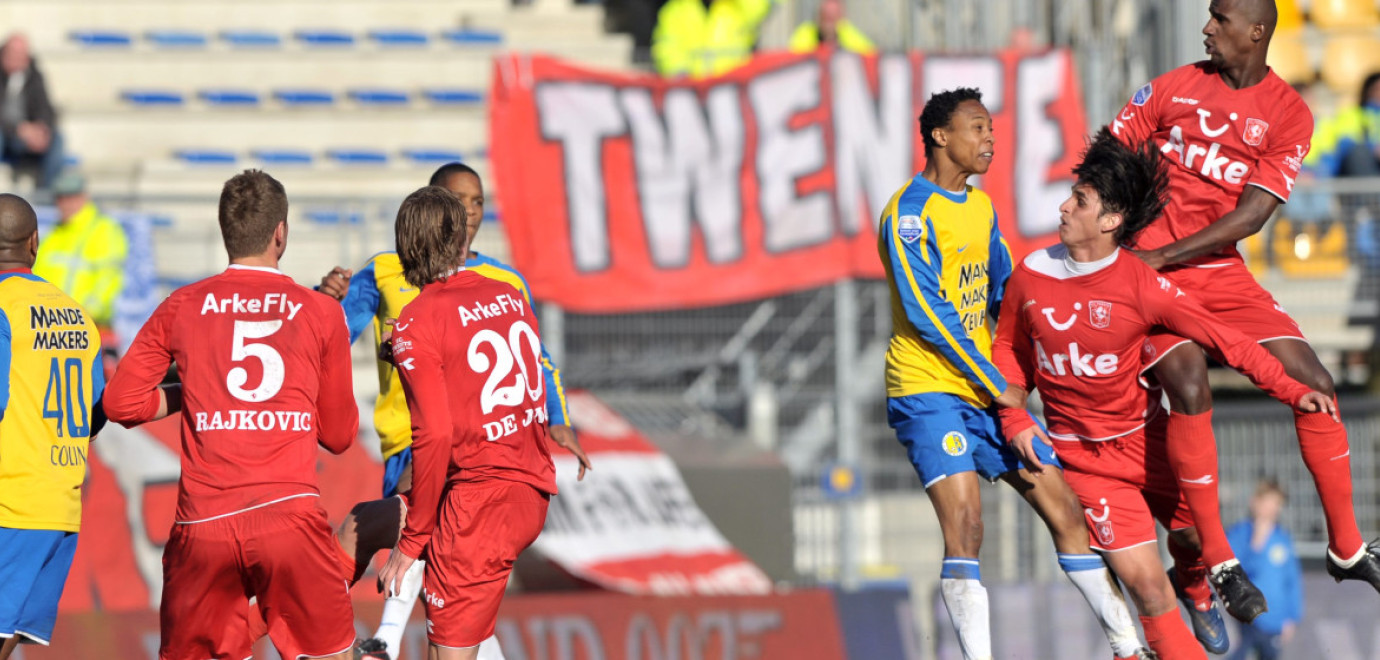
(262, 269)
(1089, 267)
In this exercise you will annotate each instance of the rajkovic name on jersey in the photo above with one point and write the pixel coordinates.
(58, 328)
(254, 420)
(270, 303)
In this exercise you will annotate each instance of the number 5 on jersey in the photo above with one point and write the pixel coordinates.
(271, 360)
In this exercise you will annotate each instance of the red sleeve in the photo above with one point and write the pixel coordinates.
(1287, 144)
(1140, 117)
(337, 415)
(1166, 305)
(131, 397)
(424, 384)
(1011, 354)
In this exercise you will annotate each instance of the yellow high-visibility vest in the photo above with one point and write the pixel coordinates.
(85, 258)
(693, 41)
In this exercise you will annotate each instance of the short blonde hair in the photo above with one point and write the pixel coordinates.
(430, 234)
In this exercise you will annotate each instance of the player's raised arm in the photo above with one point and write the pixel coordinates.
(915, 265)
(337, 415)
(358, 294)
(133, 396)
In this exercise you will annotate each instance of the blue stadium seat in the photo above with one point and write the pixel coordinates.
(471, 37)
(333, 217)
(304, 97)
(431, 156)
(325, 37)
(205, 156)
(149, 98)
(454, 96)
(101, 38)
(358, 156)
(282, 156)
(490, 215)
(251, 38)
(176, 38)
(398, 37)
(388, 97)
(230, 97)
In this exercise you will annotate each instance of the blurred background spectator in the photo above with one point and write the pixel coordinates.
(830, 28)
(84, 255)
(1266, 551)
(28, 123)
(1348, 143)
(702, 38)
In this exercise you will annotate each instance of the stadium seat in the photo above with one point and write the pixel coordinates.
(1343, 14)
(282, 156)
(1302, 250)
(377, 97)
(175, 38)
(1290, 17)
(251, 38)
(205, 156)
(153, 98)
(304, 97)
(1289, 58)
(329, 38)
(358, 156)
(230, 97)
(333, 217)
(470, 37)
(431, 156)
(101, 38)
(453, 96)
(1347, 60)
(398, 37)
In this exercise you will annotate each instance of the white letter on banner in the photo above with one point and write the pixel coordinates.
(1039, 82)
(783, 156)
(872, 138)
(676, 154)
(581, 116)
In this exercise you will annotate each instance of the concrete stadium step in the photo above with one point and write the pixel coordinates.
(112, 138)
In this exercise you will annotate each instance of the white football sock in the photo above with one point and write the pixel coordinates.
(397, 609)
(490, 650)
(1090, 575)
(967, 603)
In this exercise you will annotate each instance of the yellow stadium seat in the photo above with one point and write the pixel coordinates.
(1343, 14)
(1347, 60)
(1290, 18)
(1300, 250)
(1289, 58)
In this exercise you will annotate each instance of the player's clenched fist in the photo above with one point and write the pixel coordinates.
(336, 283)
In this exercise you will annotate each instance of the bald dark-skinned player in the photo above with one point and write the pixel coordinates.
(1235, 135)
(50, 377)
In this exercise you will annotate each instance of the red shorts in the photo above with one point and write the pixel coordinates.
(285, 555)
(481, 530)
(1233, 296)
(1125, 485)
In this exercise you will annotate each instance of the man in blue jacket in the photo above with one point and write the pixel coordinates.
(1267, 553)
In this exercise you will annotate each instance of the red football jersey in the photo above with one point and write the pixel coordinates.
(1218, 140)
(266, 376)
(469, 358)
(1075, 332)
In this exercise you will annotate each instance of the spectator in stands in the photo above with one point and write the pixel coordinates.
(1348, 144)
(702, 38)
(28, 123)
(1267, 553)
(830, 29)
(84, 255)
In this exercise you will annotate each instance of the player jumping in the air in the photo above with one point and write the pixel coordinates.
(1235, 135)
(266, 378)
(469, 356)
(1073, 324)
(947, 266)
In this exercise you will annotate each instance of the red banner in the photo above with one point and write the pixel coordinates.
(628, 192)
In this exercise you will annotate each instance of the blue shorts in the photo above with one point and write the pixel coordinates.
(393, 469)
(944, 436)
(33, 569)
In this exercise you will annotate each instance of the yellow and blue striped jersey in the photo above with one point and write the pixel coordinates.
(947, 265)
(379, 292)
(50, 377)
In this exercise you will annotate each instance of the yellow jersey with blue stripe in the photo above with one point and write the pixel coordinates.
(947, 265)
(377, 293)
(50, 377)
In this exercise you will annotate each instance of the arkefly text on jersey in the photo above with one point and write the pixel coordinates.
(501, 305)
(268, 304)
